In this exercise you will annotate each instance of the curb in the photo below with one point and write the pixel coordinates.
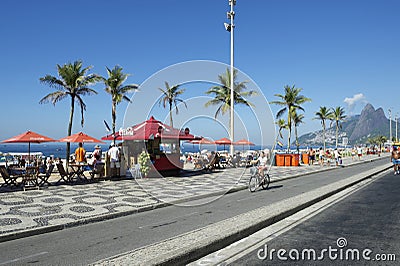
(193, 245)
(53, 228)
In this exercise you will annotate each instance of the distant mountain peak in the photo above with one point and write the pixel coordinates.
(357, 128)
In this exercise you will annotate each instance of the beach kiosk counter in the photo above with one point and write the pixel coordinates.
(161, 141)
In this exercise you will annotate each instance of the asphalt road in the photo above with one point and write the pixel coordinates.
(89, 243)
(368, 219)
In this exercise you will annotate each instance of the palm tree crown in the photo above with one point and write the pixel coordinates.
(72, 82)
(338, 116)
(114, 87)
(323, 114)
(170, 96)
(222, 93)
(291, 101)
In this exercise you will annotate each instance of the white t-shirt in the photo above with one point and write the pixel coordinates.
(114, 154)
(263, 161)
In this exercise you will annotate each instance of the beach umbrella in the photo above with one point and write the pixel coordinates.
(80, 137)
(223, 141)
(29, 137)
(243, 142)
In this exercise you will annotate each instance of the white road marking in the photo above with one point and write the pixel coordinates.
(23, 258)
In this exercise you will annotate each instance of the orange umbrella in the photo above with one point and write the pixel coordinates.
(28, 137)
(80, 137)
(243, 142)
(202, 141)
(223, 141)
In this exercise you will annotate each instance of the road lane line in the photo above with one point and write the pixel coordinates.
(24, 258)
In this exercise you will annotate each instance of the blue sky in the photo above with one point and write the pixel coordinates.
(333, 49)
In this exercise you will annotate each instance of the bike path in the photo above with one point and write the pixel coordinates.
(25, 213)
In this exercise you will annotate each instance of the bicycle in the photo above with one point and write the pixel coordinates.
(256, 180)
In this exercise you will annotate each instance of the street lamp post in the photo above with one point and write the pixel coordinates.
(390, 128)
(230, 27)
(396, 127)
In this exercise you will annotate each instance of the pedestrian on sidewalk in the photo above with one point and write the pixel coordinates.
(395, 158)
(359, 152)
(321, 154)
(114, 156)
(338, 157)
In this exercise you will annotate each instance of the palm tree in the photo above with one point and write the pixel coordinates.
(381, 140)
(323, 114)
(291, 100)
(337, 116)
(74, 83)
(222, 93)
(114, 87)
(170, 96)
(297, 120)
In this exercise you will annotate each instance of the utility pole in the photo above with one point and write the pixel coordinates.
(390, 128)
(230, 27)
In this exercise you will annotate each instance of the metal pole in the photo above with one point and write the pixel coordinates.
(390, 128)
(396, 128)
(232, 15)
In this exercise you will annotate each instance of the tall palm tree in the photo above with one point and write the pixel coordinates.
(170, 96)
(222, 93)
(323, 114)
(297, 120)
(291, 100)
(338, 116)
(381, 140)
(73, 82)
(114, 87)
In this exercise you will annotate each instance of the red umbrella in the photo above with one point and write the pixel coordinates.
(80, 137)
(28, 137)
(202, 141)
(223, 141)
(243, 142)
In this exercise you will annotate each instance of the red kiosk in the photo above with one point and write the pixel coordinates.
(161, 141)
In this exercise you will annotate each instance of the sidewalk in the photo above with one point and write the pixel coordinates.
(56, 207)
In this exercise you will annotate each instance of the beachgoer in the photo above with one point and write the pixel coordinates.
(311, 158)
(338, 157)
(80, 154)
(353, 153)
(96, 155)
(395, 158)
(359, 152)
(114, 155)
(262, 163)
(321, 156)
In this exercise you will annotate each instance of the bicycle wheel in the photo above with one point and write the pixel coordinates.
(266, 181)
(253, 183)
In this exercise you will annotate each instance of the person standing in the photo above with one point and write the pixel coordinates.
(114, 155)
(359, 152)
(97, 155)
(80, 154)
(395, 158)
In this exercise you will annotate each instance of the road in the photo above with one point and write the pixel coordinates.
(368, 219)
(92, 242)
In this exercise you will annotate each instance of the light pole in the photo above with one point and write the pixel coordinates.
(395, 118)
(390, 128)
(230, 27)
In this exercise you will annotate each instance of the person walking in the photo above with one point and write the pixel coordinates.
(114, 155)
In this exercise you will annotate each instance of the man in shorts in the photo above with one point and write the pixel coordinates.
(395, 160)
(114, 155)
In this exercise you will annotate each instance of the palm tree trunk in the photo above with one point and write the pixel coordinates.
(170, 115)
(289, 130)
(297, 140)
(114, 118)
(71, 118)
(323, 136)
(337, 133)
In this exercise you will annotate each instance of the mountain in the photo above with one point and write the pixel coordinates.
(356, 128)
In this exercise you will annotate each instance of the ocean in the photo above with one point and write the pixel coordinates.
(58, 150)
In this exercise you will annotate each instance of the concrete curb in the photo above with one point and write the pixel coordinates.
(52, 228)
(198, 243)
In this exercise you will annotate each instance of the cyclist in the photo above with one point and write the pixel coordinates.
(262, 163)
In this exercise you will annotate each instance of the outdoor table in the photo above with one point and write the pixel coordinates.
(77, 170)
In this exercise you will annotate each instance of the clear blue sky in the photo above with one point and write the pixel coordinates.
(333, 49)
